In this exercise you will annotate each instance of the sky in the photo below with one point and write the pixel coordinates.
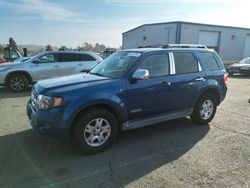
(71, 23)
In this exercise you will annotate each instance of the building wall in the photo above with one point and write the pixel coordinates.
(231, 44)
(158, 34)
(231, 40)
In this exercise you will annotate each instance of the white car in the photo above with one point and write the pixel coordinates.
(19, 75)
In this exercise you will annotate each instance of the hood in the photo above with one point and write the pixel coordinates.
(66, 83)
(10, 64)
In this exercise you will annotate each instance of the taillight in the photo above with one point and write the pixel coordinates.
(225, 78)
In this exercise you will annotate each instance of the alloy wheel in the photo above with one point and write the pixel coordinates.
(97, 132)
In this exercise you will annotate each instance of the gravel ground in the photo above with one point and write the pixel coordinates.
(172, 154)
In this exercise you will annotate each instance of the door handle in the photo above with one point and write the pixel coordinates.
(166, 83)
(200, 79)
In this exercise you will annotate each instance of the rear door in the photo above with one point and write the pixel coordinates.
(46, 66)
(73, 63)
(68, 63)
(188, 78)
(87, 62)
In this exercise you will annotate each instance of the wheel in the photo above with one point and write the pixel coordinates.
(231, 74)
(204, 110)
(18, 82)
(95, 131)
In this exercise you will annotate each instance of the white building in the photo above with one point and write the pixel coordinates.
(232, 43)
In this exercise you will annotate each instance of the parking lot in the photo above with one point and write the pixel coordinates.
(172, 154)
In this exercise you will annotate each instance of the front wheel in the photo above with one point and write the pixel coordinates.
(95, 131)
(204, 110)
(18, 83)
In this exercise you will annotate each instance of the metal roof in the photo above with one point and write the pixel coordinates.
(182, 22)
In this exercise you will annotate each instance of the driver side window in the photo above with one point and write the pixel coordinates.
(157, 65)
(48, 58)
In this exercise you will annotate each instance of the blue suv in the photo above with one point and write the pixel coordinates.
(129, 89)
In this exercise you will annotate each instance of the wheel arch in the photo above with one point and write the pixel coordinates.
(104, 106)
(212, 91)
(25, 73)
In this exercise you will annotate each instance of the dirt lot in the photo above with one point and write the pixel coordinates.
(173, 154)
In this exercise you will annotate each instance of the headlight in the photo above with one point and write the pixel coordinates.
(46, 102)
(3, 68)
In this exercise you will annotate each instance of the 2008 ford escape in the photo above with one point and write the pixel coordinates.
(129, 89)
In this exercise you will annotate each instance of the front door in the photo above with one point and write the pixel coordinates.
(46, 66)
(146, 98)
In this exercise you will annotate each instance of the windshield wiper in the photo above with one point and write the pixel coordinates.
(97, 74)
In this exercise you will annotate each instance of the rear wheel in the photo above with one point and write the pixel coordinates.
(204, 110)
(17, 83)
(95, 131)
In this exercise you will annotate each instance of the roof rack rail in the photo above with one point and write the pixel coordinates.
(152, 46)
(184, 46)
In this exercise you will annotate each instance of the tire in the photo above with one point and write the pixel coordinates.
(17, 82)
(204, 110)
(95, 131)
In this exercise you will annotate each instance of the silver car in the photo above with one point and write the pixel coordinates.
(19, 75)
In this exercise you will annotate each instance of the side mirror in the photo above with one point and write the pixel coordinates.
(140, 74)
(36, 61)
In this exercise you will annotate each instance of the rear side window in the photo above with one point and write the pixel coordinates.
(185, 63)
(157, 65)
(209, 60)
(67, 57)
(86, 57)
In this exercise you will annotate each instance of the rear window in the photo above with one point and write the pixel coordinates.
(185, 63)
(86, 57)
(67, 57)
(209, 60)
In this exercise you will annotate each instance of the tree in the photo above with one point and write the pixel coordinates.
(1, 48)
(48, 48)
(12, 43)
(63, 48)
(88, 46)
(99, 47)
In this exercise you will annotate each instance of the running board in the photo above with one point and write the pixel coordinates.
(156, 119)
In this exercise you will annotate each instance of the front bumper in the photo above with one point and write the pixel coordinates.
(2, 78)
(48, 122)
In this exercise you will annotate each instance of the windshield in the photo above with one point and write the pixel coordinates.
(245, 61)
(116, 65)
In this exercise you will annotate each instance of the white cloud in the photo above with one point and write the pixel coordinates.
(131, 2)
(44, 10)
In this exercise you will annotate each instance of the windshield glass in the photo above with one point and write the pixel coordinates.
(116, 65)
(245, 61)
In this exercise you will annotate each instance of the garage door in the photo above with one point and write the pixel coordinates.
(247, 47)
(209, 38)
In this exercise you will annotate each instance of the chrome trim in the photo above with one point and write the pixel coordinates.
(172, 63)
(199, 65)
